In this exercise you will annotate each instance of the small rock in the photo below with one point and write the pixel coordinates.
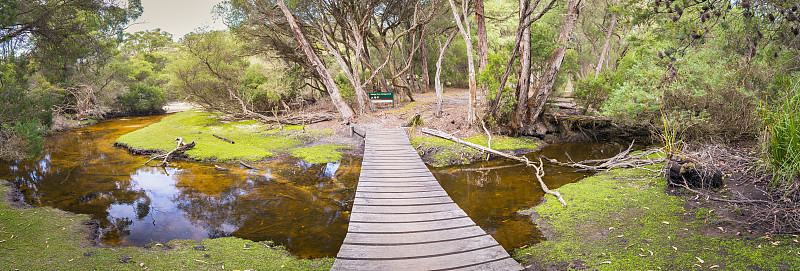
(206, 255)
(125, 259)
(88, 254)
(200, 248)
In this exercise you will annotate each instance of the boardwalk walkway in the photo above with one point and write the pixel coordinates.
(402, 219)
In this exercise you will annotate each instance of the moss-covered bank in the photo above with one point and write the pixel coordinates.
(253, 141)
(440, 152)
(624, 220)
(50, 239)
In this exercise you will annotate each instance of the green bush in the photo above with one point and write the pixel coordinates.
(141, 99)
(593, 91)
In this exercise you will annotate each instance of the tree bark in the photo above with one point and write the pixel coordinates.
(439, 90)
(480, 33)
(524, 81)
(603, 54)
(344, 110)
(463, 27)
(423, 54)
(545, 84)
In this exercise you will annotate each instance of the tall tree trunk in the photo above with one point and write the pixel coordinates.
(463, 27)
(438, 80)
(524, 81)
(423, 54)
(605, 46)
(480, 33)
(344, 110)
(524, 23)
(545, 85)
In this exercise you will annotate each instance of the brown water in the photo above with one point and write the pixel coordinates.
(301, 206)
(492, 192)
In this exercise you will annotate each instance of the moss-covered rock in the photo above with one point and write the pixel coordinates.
(52, 239)
(624, 220)
(440, 152)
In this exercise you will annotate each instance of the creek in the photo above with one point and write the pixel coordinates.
(304, 207)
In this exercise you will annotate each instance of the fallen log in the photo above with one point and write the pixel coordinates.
(539, 168)
(223, 139)
(219, 168)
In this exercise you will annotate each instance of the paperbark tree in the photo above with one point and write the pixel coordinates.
(462, 21)
(544, 86)
(423, 55)
(524, 80)
(480, 33)
(524, 23)
(344, 110)
(603, 54)
(437, 78)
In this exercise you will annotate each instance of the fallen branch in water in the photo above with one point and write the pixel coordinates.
(623, 159)
(181, 147)
(539, 168)
(247, 166)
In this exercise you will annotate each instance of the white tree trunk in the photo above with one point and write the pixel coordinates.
(462, 21)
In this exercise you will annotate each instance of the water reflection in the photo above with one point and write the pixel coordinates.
(492, 192)
(302, 206)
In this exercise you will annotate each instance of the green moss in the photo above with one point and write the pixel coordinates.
(253, 140)
(440, 152)
(319, 154)
(623, 220)
(50, 239)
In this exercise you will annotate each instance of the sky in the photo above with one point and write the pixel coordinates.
(177, 17)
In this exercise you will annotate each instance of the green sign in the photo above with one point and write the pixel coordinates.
(382, 97)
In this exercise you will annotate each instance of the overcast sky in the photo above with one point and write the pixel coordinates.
(177, 17)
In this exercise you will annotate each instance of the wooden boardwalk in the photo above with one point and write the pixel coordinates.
(402, 219)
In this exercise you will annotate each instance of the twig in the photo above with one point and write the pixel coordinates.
(223, 139)
(246, 165)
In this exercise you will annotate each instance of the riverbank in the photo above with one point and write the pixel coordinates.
(627, 219)
(48, 238)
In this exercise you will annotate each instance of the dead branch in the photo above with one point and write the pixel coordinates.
(539, 168)
(181, 147)
(220, 168)
(623, 159)
(246, 165)
(222, 138)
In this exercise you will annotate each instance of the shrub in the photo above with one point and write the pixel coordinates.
(141, 99)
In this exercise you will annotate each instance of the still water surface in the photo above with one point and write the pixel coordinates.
(302, 206)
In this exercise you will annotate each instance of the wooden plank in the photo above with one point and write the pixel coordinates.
(412, 209)
(406, 195)
(386, 218)
(409, 227)
(480, 259)
(397, 189)
(415, 250)
(413, 238)
(417, 201)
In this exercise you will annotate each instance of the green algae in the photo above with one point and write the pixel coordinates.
(253, 141)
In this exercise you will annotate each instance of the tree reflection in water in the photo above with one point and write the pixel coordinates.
(301, 206)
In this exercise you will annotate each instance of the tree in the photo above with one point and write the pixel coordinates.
(344, 110)
(545, 84)
(462, 21)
